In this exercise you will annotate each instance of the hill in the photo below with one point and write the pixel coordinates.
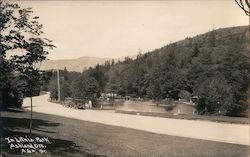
(77, 65)
(213, 67)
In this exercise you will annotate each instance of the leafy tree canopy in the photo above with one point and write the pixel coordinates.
(21, 49)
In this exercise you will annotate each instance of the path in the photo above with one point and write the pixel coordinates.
(222, 132)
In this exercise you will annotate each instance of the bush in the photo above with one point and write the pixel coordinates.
(12, 98)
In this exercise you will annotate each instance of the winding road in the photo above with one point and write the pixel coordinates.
(206, 130)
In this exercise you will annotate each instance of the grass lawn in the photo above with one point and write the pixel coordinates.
(224, 119)
(70, 137)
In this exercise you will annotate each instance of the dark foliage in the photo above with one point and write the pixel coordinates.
(20, 39)
(213, 66)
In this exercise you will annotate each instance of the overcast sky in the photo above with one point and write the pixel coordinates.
(116, 29)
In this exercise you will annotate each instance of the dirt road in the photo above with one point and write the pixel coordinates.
(222, 132)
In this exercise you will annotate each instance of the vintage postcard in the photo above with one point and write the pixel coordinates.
(124, 78)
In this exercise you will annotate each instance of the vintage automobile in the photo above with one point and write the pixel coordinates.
(74, 103)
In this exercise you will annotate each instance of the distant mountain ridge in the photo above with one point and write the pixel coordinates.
(77, 65)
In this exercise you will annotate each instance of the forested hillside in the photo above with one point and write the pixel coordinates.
(213, 66)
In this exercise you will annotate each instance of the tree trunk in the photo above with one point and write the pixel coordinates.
(31, 108)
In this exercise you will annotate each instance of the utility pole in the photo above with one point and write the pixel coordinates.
(58, 85)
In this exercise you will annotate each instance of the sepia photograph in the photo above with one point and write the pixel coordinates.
(127, 78)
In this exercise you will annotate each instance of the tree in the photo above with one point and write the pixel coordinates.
(98, 74)
(85, 87)
(215, 95)
(53, 89)
(45, 78)
(244, 5)
(195, 51)
(20, 33)
(212, 39)
(154, 90)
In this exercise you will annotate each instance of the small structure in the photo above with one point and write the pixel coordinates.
(195, 99)
(182, 108)
(111, 95)
(127, 97)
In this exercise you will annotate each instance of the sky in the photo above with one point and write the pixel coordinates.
(113, 29)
